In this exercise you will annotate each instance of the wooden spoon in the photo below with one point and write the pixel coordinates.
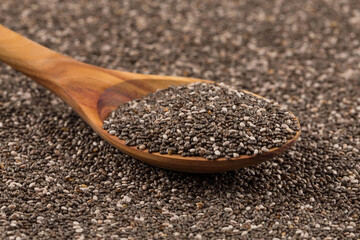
(94, 92)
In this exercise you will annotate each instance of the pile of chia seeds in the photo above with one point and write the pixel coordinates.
(200, 119)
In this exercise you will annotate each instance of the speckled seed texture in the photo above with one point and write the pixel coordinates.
(59, 180)
(201, 119)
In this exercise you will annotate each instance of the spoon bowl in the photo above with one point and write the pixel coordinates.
(94, 92)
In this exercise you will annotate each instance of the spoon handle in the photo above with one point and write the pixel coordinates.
(71, 80)
(30, 58)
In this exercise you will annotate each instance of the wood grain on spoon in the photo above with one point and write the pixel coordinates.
(94, 92)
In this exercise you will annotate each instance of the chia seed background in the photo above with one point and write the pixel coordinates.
(60, 180)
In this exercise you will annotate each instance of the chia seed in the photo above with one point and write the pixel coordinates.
(196, 119)
(302, 53)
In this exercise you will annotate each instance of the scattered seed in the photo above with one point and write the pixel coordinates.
(309, 192)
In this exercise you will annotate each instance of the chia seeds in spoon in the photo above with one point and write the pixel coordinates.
(200, 119)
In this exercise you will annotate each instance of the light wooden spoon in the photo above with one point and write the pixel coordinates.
(94, 92)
